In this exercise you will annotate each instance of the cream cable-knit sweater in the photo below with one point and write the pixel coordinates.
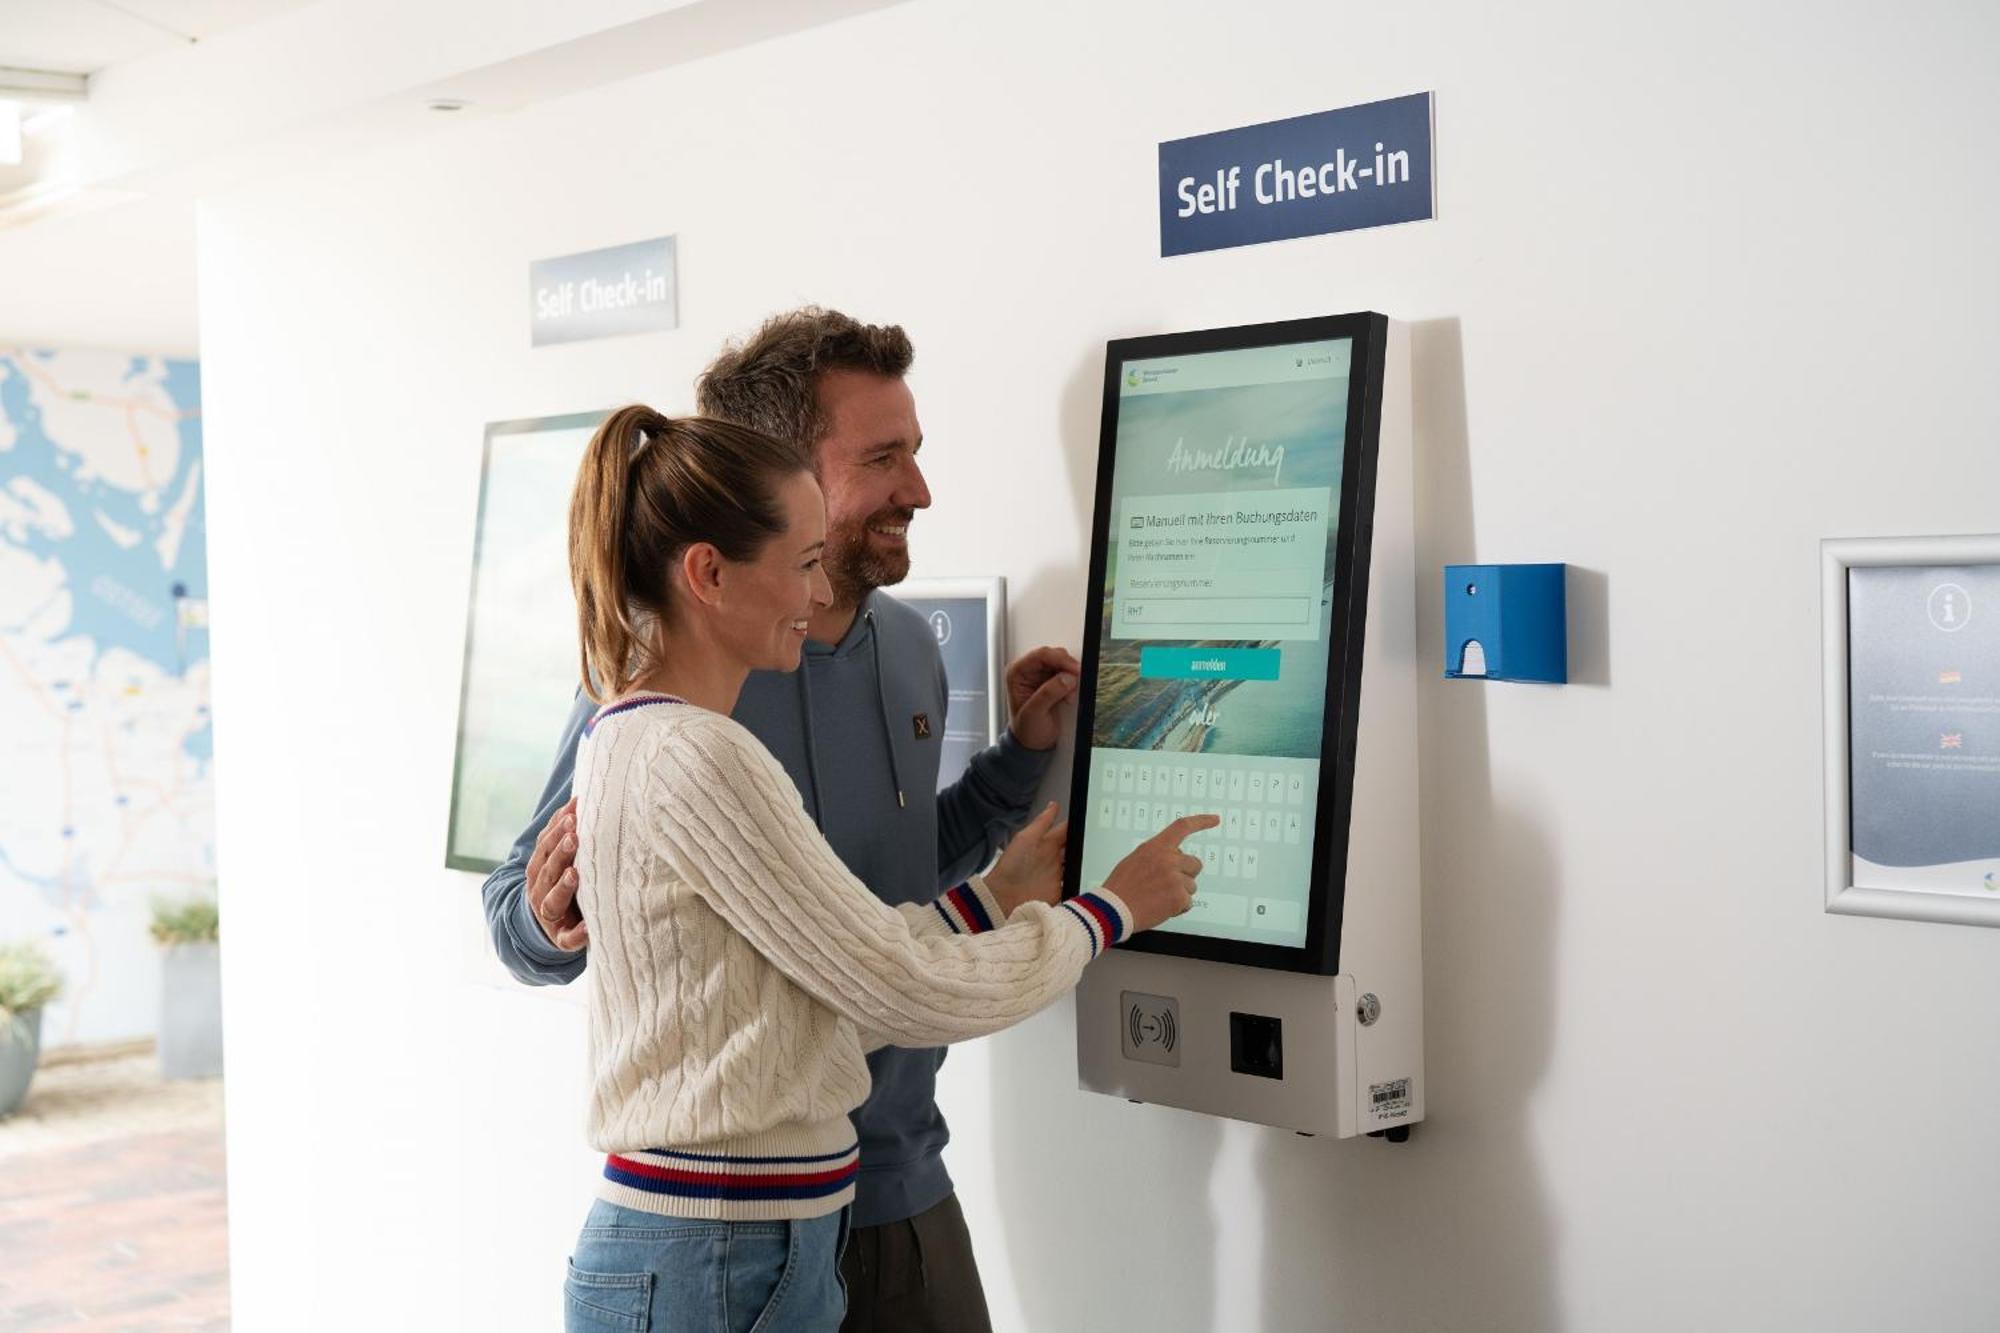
(738, 972)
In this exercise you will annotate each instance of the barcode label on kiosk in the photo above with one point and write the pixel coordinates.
(1389, 1098)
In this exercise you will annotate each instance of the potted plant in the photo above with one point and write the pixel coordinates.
(190, 986)
(28, 980)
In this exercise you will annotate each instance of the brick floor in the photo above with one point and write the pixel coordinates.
(89, 1097)
(119, 1234)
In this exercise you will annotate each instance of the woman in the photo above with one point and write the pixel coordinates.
(738, 971)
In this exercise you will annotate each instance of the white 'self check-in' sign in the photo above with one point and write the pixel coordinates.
(603, 293)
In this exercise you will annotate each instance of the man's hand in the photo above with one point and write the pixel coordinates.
(552, 883)
(1031, 869)
(1037, 683)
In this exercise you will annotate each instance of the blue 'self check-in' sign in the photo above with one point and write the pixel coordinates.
(1360, 166)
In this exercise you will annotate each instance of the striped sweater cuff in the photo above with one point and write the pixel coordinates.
(726, 1180)
(971, 908)
(1102, 916)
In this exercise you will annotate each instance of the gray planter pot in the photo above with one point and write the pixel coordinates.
(20, 1050)
(191, 1011)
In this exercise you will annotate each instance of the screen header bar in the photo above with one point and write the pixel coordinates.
(1284, 364)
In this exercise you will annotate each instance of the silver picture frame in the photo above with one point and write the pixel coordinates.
(1838, 559)
(518, 674)
(986, 598)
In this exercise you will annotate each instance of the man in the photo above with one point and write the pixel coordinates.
(858, 727)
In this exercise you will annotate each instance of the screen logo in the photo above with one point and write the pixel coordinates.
(1145, 377)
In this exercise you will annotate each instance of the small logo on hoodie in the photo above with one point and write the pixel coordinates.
(922, 723)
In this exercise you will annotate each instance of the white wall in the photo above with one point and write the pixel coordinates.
(1708, 284)
(121, 275)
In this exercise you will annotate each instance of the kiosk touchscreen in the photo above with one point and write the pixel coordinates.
(1248, 653)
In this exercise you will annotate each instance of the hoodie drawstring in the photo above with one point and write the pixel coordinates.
(882, 702)
(812, 750)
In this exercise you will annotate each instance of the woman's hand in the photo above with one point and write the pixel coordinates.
(1157, 879)
(1031, 869)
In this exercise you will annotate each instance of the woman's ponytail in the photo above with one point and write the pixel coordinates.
(648, 487)
(600, 510)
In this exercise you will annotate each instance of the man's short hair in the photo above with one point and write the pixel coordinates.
(770, 381)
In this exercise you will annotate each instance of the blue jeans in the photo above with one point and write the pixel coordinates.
(637, 1272)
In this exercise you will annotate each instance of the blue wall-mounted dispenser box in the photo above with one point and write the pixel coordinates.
(1506, 622)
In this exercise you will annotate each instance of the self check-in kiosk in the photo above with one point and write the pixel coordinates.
(1250, 651)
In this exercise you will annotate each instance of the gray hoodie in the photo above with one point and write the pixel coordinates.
(846, 727)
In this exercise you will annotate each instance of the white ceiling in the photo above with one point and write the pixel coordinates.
(84, 36)
(97, 226)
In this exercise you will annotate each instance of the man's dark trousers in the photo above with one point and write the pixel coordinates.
(914, 1276)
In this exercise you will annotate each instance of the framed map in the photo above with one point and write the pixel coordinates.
(520, 671)
(1912, 671)
(107, 797)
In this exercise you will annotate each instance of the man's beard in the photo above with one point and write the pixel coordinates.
(854, 568)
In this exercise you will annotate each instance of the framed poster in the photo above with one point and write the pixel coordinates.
(1912, 662)
(969, 619)
(520, 671)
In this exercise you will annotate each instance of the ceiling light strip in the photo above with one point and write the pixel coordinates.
(45, 85)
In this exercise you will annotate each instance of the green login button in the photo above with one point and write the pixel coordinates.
(1209, 663)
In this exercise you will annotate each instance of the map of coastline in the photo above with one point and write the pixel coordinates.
(107, 799)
